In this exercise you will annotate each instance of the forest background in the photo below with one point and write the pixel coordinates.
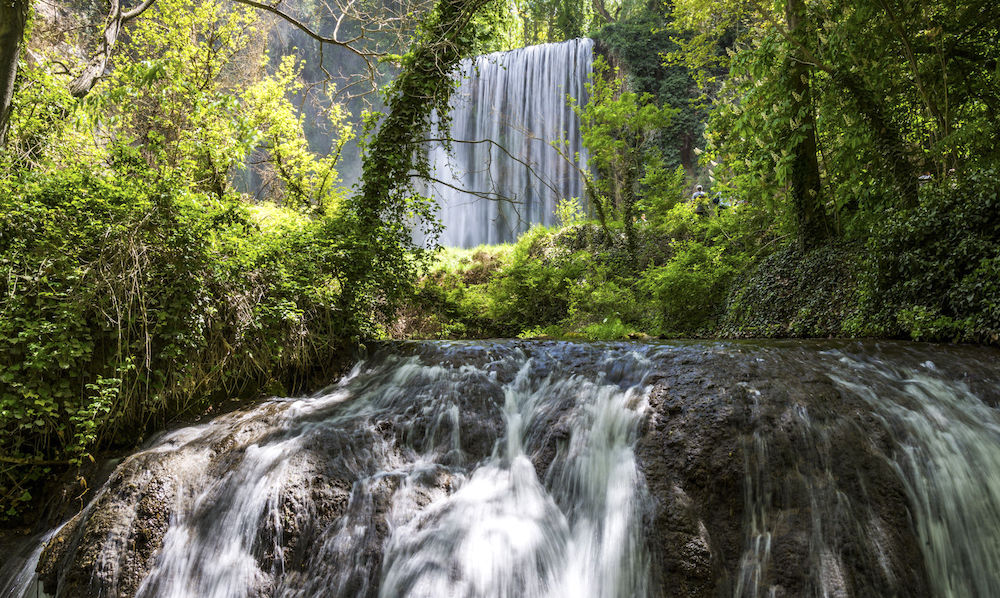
(175, 232)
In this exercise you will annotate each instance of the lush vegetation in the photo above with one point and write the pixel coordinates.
(857, 189)
(172, 235)
(582, 280)
(139, 285)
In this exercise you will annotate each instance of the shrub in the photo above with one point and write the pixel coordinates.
(689, 290)
(791, 294)
(533, 287)
(934, 272)
(126, 301)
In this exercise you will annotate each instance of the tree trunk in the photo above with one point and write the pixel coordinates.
(117, 18)
(13, 17)
(380, 209)
(602, 11)
(811, 218)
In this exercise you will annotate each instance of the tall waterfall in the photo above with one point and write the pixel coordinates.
(503, 173)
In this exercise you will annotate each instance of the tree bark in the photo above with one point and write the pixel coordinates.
(379, 208)
(13, 18)
(117, 18)
(888, 138)
(602, 11)
(813, 223)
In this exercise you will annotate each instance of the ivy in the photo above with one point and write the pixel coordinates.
(386, 259)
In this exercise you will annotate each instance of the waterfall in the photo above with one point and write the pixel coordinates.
(432, 472)
(503, 174)
(948, 455)
(508, 469)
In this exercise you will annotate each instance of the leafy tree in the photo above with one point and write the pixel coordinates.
(386, 203)
(878, 121)
(637, 45)
(186, 92)
(804, 180)
(616, 127)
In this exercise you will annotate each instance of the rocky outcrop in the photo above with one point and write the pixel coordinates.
(110, 545)
(766, 476)
(763, 475)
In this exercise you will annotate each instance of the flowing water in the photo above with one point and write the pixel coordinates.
(443, 457)
(518, 469)
(948, 456)
(503, 173)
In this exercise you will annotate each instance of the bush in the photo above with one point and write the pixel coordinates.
(933, 273)
(791, 294)
(690, 289)
(533, 288)
(127, 301)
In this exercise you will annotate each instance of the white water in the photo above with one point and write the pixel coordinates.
(505, 533)
(491, 192)
(508, 470)
(458, 525)
(948, 456)
(17, 571)
(946, 453)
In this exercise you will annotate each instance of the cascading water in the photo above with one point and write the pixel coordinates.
(503, 173)
(948, 455)
(17, 571)
(554, 470)
(944, 447)
(463, 470)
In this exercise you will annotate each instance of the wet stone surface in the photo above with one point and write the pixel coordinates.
(516, 468)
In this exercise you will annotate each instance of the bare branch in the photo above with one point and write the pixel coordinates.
(493, 143)
(138, 10)
(488, 195)
(346, 44)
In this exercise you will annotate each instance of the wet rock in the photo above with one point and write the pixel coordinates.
(749, 442)
(108, 548)
(762, 475)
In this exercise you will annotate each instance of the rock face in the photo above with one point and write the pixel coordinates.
(767, 477)
(705, 469)
(112, 543)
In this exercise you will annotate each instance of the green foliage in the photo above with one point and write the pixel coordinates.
(753, 136)
(795, 294)
(42, 116)
(896, 89)
(933, 273)
(616, 127)
(690, 288)
(638, 44)
(176, 95)
(530, 292)
(579, 281)
(307, 180)
(569, 212)
(663, 190)
(553, 20)
(608, 329)
(386, 207)
(128, 300)
(185, 91)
